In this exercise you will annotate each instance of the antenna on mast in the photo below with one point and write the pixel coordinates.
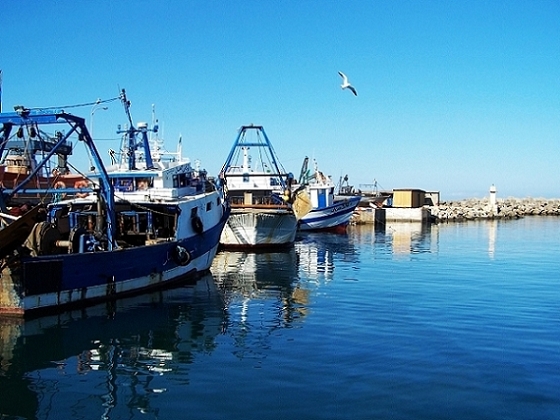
(180, 148)
(154, 120)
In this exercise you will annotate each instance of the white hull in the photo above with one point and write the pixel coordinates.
(248, 227)
(335, 216)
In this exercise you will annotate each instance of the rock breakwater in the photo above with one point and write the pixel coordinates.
(509, 208)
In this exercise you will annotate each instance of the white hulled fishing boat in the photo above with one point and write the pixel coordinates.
(328, 212)
(264, 212)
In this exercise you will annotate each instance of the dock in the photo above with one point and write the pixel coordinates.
(383, 215)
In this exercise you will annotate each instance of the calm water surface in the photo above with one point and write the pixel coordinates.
(458, 321)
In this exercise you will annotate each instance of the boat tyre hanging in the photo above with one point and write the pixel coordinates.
(181, 255)
(197, 225)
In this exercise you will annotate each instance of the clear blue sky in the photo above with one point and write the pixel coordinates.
(453, 96)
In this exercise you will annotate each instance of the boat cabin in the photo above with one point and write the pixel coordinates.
(131, 184)
(321, 196)
(171, 183)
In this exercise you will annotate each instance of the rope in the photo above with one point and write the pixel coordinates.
(77, 105)
(141, 207)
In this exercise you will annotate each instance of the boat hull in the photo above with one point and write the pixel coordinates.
(259, 228)
(334, 217)
(52, 282)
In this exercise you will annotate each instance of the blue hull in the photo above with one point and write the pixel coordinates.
(58, 281)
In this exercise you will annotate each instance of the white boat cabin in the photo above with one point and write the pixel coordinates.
(321, 196)
(247, 186)
(170, 183)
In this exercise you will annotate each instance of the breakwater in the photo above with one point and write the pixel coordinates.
(508, 208)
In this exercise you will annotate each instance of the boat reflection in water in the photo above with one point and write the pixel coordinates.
(108, 360)
(318, 252)
(261, 295)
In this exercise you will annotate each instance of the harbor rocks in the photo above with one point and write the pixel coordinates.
(509, 208)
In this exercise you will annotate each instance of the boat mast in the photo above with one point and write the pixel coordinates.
(241, 142)
(131, 133)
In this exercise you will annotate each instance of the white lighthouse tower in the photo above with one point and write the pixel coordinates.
(492, 200)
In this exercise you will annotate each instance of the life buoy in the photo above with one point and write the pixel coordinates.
(181, 255)
(197, 225)
(81, 184)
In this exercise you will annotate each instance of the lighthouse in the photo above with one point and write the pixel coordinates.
(492, 200)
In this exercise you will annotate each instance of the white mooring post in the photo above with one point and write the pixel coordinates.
(492, 201)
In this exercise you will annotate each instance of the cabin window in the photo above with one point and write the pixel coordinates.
(209, 206)
(180, 180)
(194, 212)
(245, 177)
(143, 184)
(123, 184)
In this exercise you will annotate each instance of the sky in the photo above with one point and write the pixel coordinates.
(453, 96)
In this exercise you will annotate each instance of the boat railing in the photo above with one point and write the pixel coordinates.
(261, 206)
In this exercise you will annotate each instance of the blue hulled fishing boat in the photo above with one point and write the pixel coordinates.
(328, 213)
(140, 224)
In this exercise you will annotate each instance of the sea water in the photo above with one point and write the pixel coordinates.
(403, 321)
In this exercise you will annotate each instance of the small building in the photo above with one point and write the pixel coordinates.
(408, 198)
(431, 198)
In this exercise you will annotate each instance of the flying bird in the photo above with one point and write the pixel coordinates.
(346, 85)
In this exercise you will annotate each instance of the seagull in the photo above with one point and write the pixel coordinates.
(345, 84)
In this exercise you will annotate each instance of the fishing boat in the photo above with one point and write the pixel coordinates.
(328, 212)
(264, 211)
(140, 224)
(371, 195)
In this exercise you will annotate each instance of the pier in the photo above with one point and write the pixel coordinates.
(382, 215)
(462, 210)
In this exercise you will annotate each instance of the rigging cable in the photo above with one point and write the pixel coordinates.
(77, 105)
